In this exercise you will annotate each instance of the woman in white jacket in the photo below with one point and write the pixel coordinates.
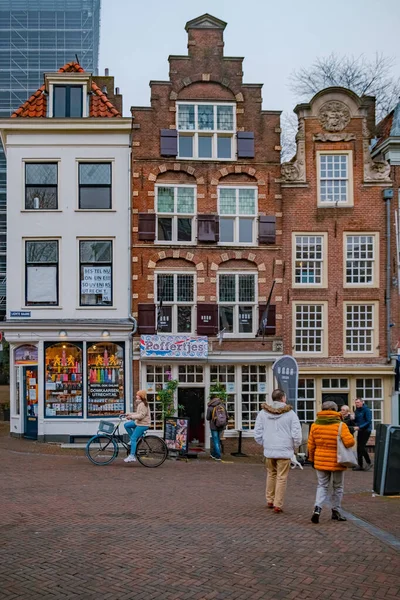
(278, 430)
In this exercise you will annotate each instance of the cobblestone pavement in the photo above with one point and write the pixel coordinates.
(194, 530)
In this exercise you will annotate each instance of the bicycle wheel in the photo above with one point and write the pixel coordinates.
(151, 451)
(101, 450)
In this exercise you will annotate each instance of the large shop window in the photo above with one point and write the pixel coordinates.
(41, 186)
(63, 380)
(156, 378)
(95, 186)
(41, 273)
(254, 393)
(237, 304)
(175, 298)
(175, 213)
(371, 390)
(306, 400)
(96, 273)
(206, 131)
(225, 375)
(237, 215)
(105, 380)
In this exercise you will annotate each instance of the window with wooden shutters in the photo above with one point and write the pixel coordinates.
(270, 326)
(147, 227)
(168, 142)
(266, 230)
(147, 319)
(207, 228)
(176, 293)
(207, 319)
(237, 297)
(245, 144)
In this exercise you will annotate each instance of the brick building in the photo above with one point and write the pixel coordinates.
(206, 242)
(387, 148)
(340, 305)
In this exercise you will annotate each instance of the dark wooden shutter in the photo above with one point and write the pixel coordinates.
(168, 142)
(147, 318)
(207, 228)
(271, 321)
(147, 226)
(207, 319)
(266, 230)
(245, 144)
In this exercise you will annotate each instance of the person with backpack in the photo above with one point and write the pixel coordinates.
(218, 417)
(278, 430)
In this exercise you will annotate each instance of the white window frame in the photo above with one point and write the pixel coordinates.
(307, 401)
(175, 215)
(375, 260)
(373, 402)
(152, 388)
(236, 333)
(324, 262)
(213, 132)
(324, 329)
(374, 329)
(39, 160)
(78, 79)
(251, 421)
(175, 303)
(237, 217)
(349, 179)
(222, 377)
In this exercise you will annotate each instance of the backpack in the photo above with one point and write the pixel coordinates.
(219, 416)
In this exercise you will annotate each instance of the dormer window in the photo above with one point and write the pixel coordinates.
(67, 101)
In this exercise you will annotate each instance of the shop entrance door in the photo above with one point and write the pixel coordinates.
(31, 401)
(192, 402)
(340, 399)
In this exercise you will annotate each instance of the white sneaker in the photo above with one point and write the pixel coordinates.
(130, 458)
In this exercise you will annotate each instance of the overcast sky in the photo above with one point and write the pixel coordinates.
(274, 36)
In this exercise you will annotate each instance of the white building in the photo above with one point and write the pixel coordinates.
(68, 260)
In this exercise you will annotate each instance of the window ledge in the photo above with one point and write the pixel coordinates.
(333, 205)
(42, 307)
(94, 307)
(92, 210)
(41, 210)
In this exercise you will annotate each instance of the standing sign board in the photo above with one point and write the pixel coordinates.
(176, 434)
(286, 373)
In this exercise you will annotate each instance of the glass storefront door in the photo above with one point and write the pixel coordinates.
(31, 401)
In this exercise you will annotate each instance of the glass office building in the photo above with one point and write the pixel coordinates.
(37, 36)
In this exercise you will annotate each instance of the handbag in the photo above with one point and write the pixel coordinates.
(346, 457)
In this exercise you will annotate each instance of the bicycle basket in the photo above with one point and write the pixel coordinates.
(106, 427)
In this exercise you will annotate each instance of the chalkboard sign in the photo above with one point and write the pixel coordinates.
(176, 434)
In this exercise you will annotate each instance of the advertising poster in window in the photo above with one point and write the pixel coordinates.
(26, 355)
(176, 434)
(106, 380)
(63, 385)
(97, 281)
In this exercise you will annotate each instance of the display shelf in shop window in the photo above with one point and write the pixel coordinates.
(105, 384)
(64, 385)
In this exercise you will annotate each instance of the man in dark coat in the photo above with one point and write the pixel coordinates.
(363, 425)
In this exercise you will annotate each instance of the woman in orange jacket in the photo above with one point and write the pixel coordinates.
(322, 452)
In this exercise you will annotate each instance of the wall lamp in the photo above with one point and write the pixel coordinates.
(105, 333)
(62, 333)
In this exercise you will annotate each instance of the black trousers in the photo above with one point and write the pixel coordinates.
(362, 439)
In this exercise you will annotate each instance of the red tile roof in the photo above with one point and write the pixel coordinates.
(36, 105)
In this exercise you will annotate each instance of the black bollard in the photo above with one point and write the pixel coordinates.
(239, 452)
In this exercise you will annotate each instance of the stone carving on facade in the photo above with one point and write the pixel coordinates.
(334, 137)
(295, 170)
(334, 115)
(374, 171)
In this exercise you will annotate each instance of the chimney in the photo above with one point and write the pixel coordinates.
(104, 90)
(106, 72)
(117, 91)
(205, 34)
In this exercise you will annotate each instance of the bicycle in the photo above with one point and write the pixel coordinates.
(103, 448)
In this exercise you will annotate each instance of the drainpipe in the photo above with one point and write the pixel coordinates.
(387, 196)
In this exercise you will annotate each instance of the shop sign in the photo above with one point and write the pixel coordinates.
(286, 373)
(173, 346)
(24, 314)
(100, 391)
(26, 355)
(97, 281)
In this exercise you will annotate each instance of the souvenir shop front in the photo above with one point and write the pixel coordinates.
(197, 364)
(64, 380)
